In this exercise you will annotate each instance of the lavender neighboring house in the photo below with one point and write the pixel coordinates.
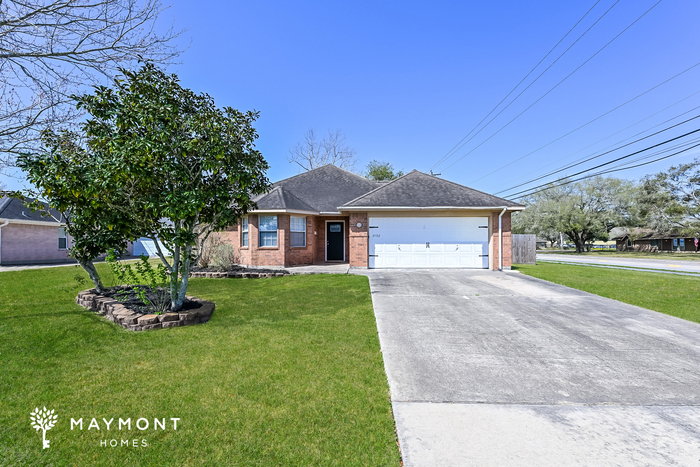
(27, 237)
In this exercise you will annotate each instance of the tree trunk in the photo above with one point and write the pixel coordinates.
(174, 276)
(185, 278)
(92, 272)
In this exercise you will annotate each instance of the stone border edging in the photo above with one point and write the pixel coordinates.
(236, 275)
(114, 311)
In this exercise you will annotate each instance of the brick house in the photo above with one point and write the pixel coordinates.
(27, 237)
(329, 215)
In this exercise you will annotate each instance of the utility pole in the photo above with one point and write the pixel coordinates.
(561, 240)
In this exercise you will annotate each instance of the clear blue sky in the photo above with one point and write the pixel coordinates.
(405, 81)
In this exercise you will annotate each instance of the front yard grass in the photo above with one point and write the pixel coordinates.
(287, 372)
(672, 294)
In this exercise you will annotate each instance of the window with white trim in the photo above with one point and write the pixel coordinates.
(267, 225)
(244, 231)
(62, 239)
(298, 231)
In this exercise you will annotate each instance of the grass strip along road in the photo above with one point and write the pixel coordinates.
(674, 295)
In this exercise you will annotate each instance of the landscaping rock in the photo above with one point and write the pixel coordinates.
(165, 317)
(197, 311)
(147, 320)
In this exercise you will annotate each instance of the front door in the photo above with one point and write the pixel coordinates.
(335, 241)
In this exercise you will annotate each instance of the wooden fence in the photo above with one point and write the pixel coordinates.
(522, 248)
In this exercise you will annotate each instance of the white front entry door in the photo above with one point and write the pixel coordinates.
(428, 242)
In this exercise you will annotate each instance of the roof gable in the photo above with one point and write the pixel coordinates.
(326, 188)
(281, 199)
(417, 189)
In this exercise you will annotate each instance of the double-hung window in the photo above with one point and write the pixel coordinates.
(298, 230)
(244, 231)
(267, 226)
(62, 239)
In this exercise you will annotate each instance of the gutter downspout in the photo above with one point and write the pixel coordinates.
(7, 221)
(500, 238)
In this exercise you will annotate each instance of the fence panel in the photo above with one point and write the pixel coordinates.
(523, 248)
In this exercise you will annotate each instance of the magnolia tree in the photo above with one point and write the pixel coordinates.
(72, 180)
(164, 163)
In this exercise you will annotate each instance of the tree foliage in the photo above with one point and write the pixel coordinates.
(51, 49)
(380, 171)
(669, 202)
(70, 178)
(311, 153)
(173, 166)
(585, 211)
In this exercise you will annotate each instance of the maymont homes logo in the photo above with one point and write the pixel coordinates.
(43, 420)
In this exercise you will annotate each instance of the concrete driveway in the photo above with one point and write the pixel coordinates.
(501, 369)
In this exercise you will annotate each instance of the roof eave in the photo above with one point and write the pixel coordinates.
(429, 208)
(31, 222)
(289, 211)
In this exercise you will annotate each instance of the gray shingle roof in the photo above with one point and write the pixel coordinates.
(326, 188)
(279, 198)
(14, 209)
(416, 189)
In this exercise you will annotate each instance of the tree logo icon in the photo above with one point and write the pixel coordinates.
(43, 420)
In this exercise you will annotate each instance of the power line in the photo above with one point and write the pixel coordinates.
(552, 89)
(588, 159)
(518, 194)
(611, 171)
(610, 136)
(457, 146)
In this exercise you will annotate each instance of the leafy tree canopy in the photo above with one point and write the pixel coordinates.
(171, 165)
(585, 211)
(379, 171)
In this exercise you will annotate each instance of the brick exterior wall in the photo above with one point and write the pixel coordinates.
(302, 255)
(505, 223)
(359, 240)
(284, 254)
(356, 241)
(27, 243)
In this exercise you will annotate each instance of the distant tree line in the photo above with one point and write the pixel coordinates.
(586, 211)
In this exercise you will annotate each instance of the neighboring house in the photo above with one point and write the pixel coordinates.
(541, 243)
(648, 240)
(330, 215)
(27, 237)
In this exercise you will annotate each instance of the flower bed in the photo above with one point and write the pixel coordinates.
(197, 311)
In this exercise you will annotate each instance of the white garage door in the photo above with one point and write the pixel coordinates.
(428, 242)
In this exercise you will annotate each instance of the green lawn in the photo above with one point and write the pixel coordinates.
(628, 254)
(287, 372)
(675, 295)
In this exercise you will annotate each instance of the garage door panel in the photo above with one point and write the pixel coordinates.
(436, 242)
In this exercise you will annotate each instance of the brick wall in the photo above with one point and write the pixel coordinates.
(359, 240)
(302, 255)
(26, 243)
(321, 237)
(505, 222)
(267, 256)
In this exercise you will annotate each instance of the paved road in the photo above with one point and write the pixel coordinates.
(502, 369)
(669, 264)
